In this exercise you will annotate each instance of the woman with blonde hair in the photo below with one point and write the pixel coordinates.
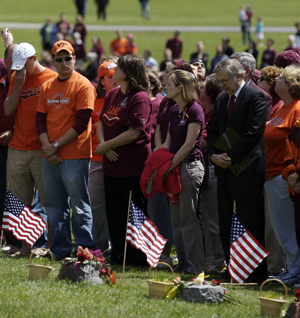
(267, 82)
(183, 140)
(280, 206)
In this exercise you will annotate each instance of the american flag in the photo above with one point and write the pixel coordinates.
(246, 253)
(21, 221)
(144, 235)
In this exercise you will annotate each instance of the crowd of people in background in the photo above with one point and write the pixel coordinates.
(81, 130)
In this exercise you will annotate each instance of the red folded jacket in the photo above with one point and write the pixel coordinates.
(160, 160)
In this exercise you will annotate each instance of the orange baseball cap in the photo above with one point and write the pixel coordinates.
(106, 68)
(62, 46)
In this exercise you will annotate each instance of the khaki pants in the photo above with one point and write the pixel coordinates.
(24, 171)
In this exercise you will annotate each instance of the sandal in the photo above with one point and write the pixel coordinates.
(17, 254)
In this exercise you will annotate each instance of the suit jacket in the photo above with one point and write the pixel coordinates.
(268, 99)
(248, 119)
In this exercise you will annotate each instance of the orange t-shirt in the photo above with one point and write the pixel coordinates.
(95, 118)
(25, 136)
(119, 46)
(61, 100)
(277, 128)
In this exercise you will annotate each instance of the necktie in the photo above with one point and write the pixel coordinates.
(229, 109)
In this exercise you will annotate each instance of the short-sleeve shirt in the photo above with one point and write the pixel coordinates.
(163, 117)
(95, 118)
(121, 111)
(25, 136)
(179, 127)
(277, 128)
(119, 45)
(61, 100)
(153, 117)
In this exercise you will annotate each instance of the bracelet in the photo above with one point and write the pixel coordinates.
(293, 176)
(170, 169)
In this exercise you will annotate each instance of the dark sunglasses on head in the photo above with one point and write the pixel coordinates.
(262, 78)
(60, 59)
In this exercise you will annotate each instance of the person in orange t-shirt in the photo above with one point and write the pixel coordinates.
(63, 122)
(118, 45)
(281, 208)
(96, 181)
(24, 164)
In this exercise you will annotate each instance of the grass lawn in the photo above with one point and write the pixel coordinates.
(20, 297)
(167, 12)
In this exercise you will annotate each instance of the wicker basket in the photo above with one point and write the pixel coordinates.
(37, 271)
(271, 307)
(159, 289)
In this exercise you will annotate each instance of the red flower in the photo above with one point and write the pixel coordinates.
(215, 282)
(81, 257)
(103, 272)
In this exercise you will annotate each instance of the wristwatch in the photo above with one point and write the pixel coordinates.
(55, 144)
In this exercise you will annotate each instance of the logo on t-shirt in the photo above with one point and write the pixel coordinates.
(58, 100)
(143, 121)
(276, 121)
(30, 92)
(111, 116)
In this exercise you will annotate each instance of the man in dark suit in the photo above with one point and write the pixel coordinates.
(249, 63)
(244, 109)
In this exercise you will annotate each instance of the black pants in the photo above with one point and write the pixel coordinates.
(117, 197)
(250, 211)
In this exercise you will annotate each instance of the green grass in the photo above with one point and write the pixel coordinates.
(20, 297)
(167, 12)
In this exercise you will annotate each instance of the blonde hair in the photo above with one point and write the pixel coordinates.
(292, 77)
(188, 83)
(271, 73)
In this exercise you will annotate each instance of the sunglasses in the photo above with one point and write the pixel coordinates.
(262, 78)
(60, 59)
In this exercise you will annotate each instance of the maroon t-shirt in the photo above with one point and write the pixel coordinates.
(121, 111)
(153, 117)
(179, 126)
(163, 117)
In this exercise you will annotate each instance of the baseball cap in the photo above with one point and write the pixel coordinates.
(106, 68)
(196, 60)
(62, 46)
(20, 55)
(287, 58)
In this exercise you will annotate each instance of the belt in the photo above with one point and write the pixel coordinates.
(191, 159)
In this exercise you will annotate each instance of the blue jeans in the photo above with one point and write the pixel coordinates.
(65, 185)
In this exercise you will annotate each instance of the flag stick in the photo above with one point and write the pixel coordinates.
(234, 209)
(1, 240)
(125, 247)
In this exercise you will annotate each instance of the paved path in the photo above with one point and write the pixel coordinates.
(141, 28)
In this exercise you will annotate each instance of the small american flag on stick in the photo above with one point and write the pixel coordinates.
(246, 253)
(144, 235)
(21, 221)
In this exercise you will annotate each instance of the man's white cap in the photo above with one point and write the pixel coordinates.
(20, 55)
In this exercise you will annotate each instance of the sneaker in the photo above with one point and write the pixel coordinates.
(284, 273)
(214, 269)
(291, 279)
(165, 259)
